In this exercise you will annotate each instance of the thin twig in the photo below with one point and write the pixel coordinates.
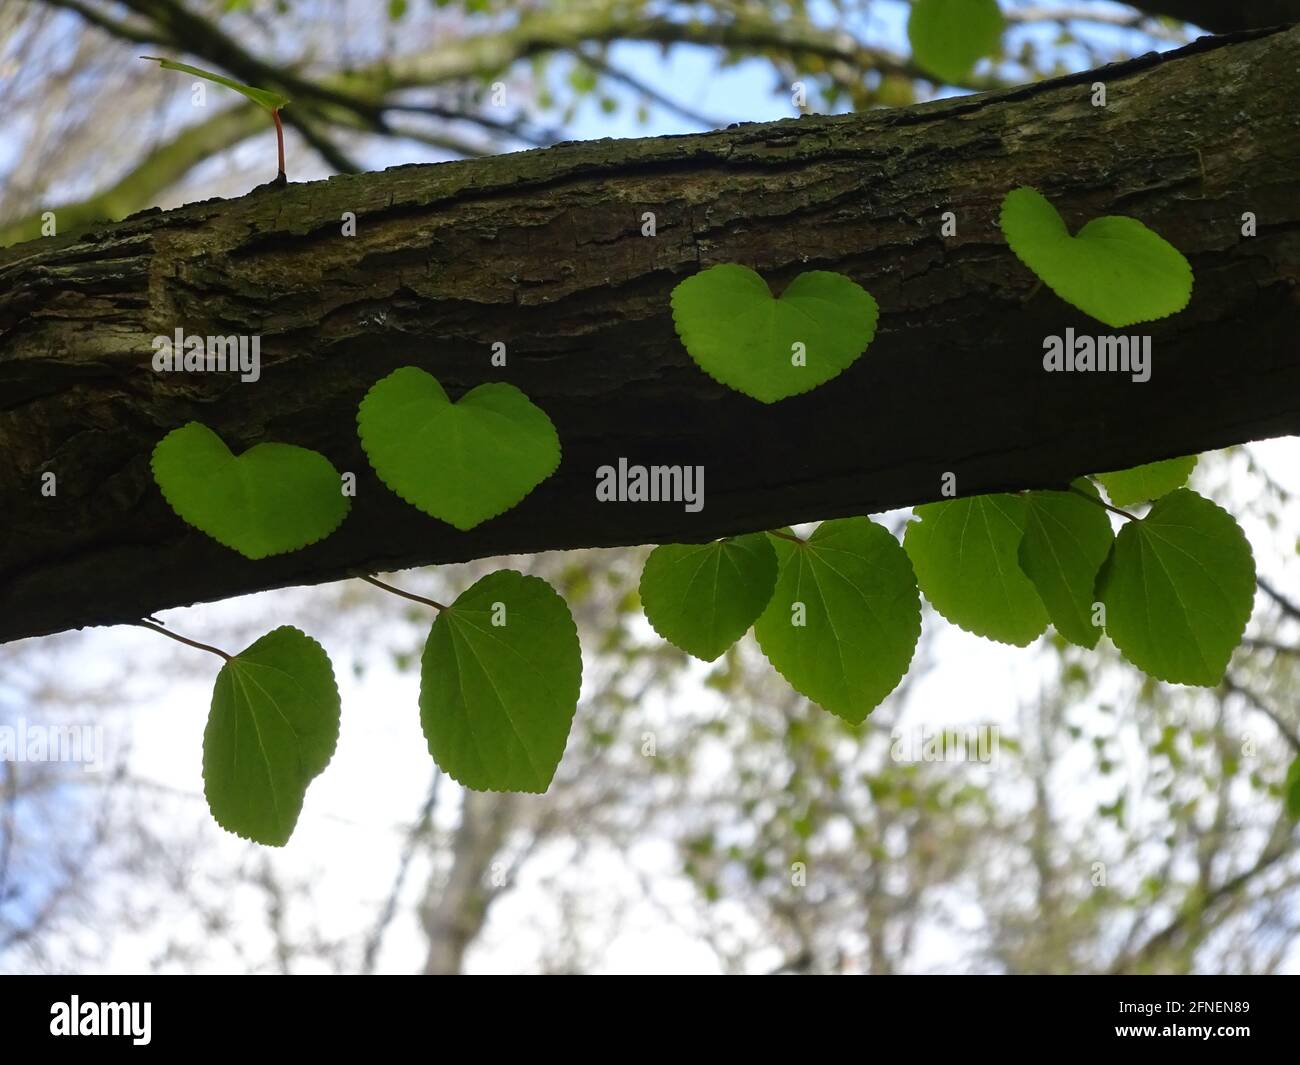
(405, 595)
(1258, 703)
(417, 832)
(1288, 607)
(649, 92)
(181, 639)
(1102, 503)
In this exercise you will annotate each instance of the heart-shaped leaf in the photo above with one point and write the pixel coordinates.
(271, 499)
(965, 552)
(272, 729)
(1149, 481)
(1065, 543)
(464, 462)
(948, 37)
(704, 597)
(1115, 269)
(499, 684)
(843, 621)
(1178, 588)
(768, 348)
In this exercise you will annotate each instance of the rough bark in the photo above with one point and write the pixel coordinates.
(543, 250)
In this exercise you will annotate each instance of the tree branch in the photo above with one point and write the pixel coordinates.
(1219, 17)
(1289, 734)
(359, 99)
(564, 29)
(1192, 916)
(602, 65)
(544, 251)
(138, 32)
(1288, 608)
(154, 174)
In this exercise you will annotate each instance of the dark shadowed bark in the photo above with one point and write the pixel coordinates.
(1226, 16)
(543, 250)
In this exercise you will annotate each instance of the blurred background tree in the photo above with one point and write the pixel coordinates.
(705, 818)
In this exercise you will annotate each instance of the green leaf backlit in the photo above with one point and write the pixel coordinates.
(948, 37)
(499, 683)
(771, 349)
(966, 556)
(266, 98)
(1066, 541)
(462, 462)
(1178, 588)
(704, 597)
(272, 729)
(843, 621)
(271, 499)
(1114, 269)
(1150, 481)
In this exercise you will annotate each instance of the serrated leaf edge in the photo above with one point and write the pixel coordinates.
(915, 641)
(559, 455)
(952, 621)
(1073, 236)
(572, 626)
(683, 331)
(668, 639)
(153, 470)
(333, 748)
(1241, 535)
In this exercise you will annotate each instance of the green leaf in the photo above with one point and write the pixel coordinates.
(1065, 543)
(966, 556)
(1291, 791)
(271, 499)
(1115, 269)
(272, 101)
(272, 729)
(1178, 588)
(1151, 481)
(767, 348)
(703, 597)
(461, 462)
(582, 79)
(843, 621)
(949, 37)
(499, 684)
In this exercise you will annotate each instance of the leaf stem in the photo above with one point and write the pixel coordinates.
(785, 536)
(405, 595)
(1103, 503)
(279, 140)
(182, 639)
